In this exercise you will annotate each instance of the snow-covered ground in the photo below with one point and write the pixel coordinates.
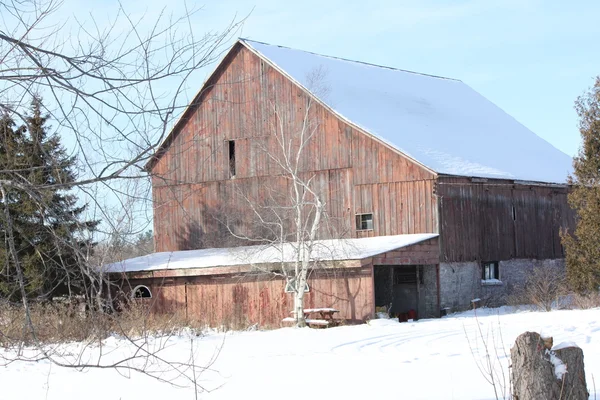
(428, 359)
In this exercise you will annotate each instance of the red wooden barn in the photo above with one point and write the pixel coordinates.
(449, 198)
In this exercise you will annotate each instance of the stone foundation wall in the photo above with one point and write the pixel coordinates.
(428, 307)
(460, 283)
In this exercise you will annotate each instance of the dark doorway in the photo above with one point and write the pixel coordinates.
(398, 288)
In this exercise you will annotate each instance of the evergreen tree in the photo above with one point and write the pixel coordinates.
(583, 248)
(46, 219)
(144, 244)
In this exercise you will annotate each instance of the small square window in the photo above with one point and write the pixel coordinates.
(490, 270)
(364, 222)
(408, 274)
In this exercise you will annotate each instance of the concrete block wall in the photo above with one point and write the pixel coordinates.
(428, 307)
(461, 282)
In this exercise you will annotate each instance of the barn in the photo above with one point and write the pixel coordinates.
(443, 196)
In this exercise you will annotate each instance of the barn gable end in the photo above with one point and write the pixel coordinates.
(192, 179)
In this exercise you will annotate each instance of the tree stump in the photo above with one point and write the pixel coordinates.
(538, 373)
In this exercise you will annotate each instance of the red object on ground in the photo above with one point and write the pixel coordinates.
(412, 314)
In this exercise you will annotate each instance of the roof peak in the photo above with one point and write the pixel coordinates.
(250, 41)
(441, 124)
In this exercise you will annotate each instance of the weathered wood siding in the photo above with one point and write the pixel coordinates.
(424, 253)
(398, 207)
(242, 300)
(355, 173)
(500, 220)
(237, 297)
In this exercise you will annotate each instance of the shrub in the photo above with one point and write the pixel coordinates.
(585, 300)
(544, 289)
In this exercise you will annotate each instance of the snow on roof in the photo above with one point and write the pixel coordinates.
(441, 123)
(324, 250)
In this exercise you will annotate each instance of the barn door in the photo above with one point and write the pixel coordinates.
(398, 287)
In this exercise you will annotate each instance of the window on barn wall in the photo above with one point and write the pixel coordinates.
(231, 158)
(140, 292)
(364, 222)
(490, 272)
(408, 275)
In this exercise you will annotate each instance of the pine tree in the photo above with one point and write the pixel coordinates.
(46, 218)
(583, 248)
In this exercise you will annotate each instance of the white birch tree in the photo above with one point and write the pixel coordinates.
(306, 206)
(292, 222)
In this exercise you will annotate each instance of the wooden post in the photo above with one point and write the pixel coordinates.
(417, 267)
(185, 286)
(439, 301)
(391, 288)
(373, 313)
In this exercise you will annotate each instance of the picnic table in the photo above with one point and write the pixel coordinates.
(320, 316)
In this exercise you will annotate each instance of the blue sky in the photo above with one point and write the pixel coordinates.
(530, 57)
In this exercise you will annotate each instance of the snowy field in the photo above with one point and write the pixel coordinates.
(428, 359)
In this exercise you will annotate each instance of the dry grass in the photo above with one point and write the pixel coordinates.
(58, 323)
(584, 301)
(548, 289)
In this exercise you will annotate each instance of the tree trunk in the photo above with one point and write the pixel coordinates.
(538, 373)
(574, 386)
(299, 308)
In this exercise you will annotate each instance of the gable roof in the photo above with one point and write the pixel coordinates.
(323, 250)
(440, 123)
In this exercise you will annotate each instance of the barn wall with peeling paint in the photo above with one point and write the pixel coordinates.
(194, 190)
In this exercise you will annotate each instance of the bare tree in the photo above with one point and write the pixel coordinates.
(306, 206)
(292, 215)
(112, 91)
